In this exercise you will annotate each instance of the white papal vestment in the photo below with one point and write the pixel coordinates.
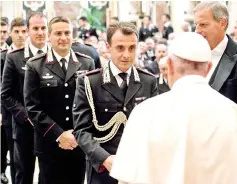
(185, 136)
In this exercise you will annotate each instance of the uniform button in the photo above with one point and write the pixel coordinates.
(67, 118)
(67, 107)
(125, 109)
(106, 110)
(66, 84)
(74, 105)
(48, 84)
(66, 96)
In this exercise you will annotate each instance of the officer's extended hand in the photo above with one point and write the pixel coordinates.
(109, 162)
(67, 140)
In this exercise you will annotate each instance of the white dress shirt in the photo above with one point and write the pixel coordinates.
(185, 136)
(34, 50)
(115, 71)
(217, 53)
(58, 57)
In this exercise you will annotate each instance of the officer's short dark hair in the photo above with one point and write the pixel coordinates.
(17, 22)
(167, 16)
(83, 18)
(3, 23)
(56, 20)
(127, 28)
(115, 18)
(34, 14)
(5, 19)
(149, 17)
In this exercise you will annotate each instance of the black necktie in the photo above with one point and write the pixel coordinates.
(63, 60)
(124, 85)
(39, 52)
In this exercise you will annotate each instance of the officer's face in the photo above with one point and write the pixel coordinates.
(60, 37)
(18, 34)
(123, 50)
(4, 34)
(213, 31)
(38, 31)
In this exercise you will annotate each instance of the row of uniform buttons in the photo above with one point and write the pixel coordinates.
(67, 96)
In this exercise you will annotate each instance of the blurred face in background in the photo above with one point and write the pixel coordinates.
(19, 35)
(235, 31)
(150, 43)
(4, 34)
(142, 48)
(146, 21)
(37, 31)
(164, 67)
(161, 51)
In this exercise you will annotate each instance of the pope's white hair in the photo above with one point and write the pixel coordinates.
(184, 66)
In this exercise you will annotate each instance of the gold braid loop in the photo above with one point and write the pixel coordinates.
(115, 122)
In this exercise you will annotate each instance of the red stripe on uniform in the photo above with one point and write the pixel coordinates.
(49, 129)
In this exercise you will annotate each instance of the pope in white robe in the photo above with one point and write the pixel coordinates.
(185, 136)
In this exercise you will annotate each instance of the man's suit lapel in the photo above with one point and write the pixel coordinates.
(227, 63)
(133, 87)
(73, 66)
(54, 66)
(113, 88)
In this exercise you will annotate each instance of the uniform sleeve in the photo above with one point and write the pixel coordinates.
(13, 105)
(49, 129)
(84, 128)
(131, 162)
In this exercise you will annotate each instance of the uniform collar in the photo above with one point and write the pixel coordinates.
(5, 46)
(220, 48)
(34, 50)
(58, 57)
(115, 71)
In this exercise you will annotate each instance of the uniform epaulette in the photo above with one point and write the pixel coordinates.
(143, 71)
(37, 57)
(16, 50)
(83, 55)
(93, 71)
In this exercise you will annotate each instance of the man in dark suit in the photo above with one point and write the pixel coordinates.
(148, 29)
(87, 50)
(12, 97)
(223, 74)
(104, 100)
(168, 28)
(50, 83)
(4, 114)
(86, 30)
(18, 35)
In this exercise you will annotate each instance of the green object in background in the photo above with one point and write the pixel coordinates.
(95, 17)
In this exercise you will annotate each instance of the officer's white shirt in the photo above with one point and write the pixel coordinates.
(34, 50)
(58, 57)
(185, 136)
(115, 71)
